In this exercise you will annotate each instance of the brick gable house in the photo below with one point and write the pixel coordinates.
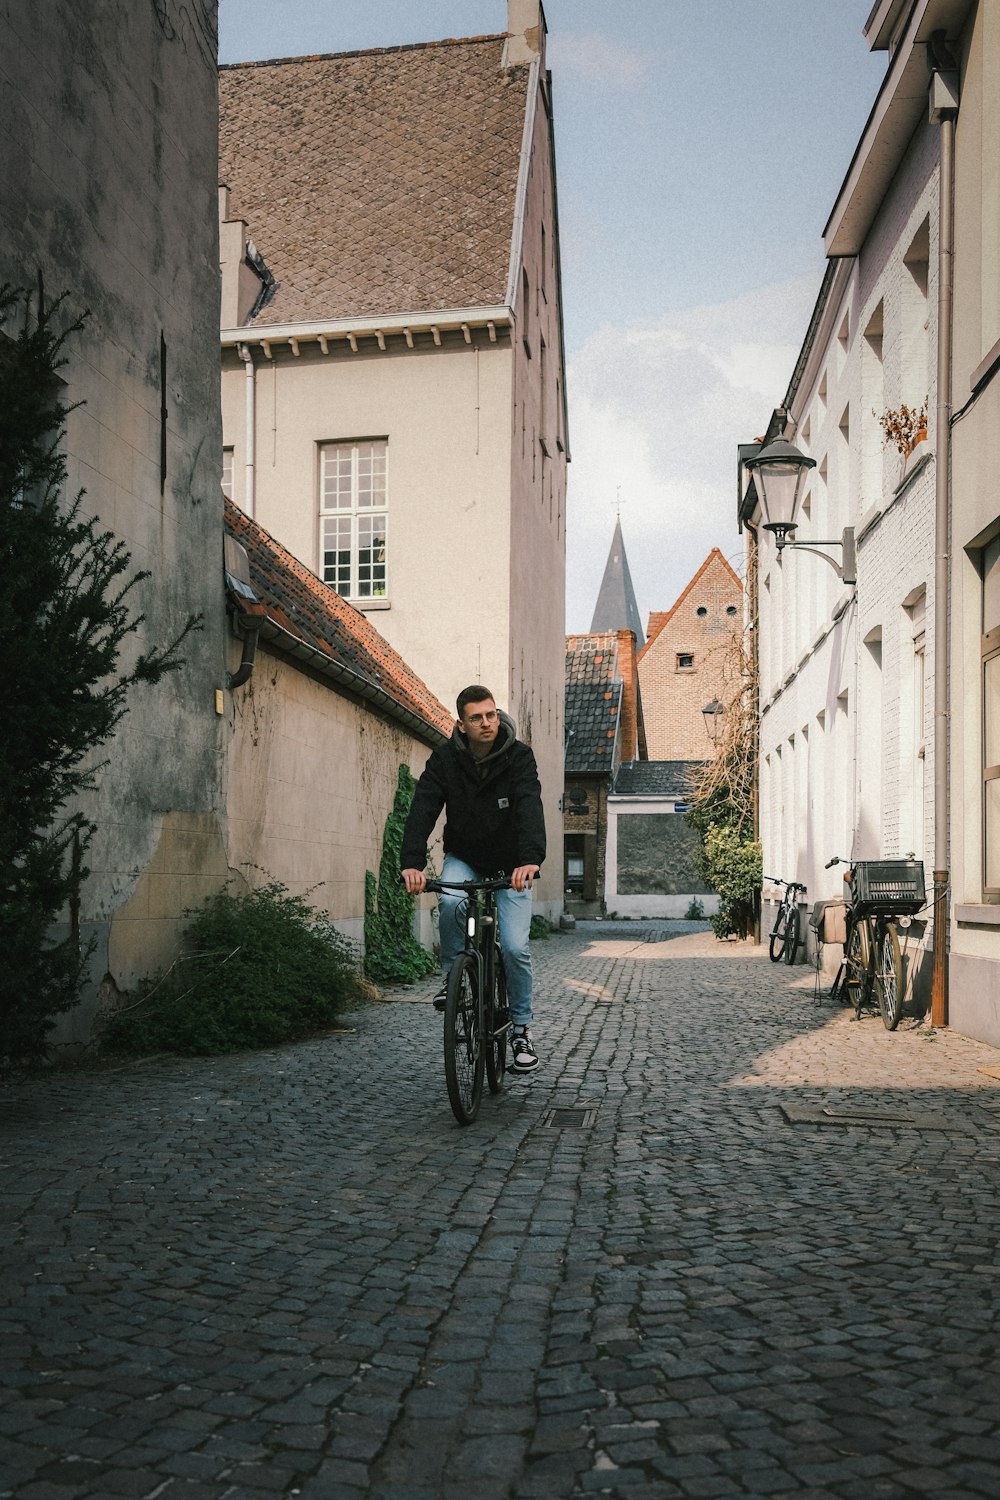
(682, 665)
(392, 387)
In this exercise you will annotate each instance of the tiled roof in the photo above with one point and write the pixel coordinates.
(377, 182)
(655, 778)
(313, 615)
(593, 702)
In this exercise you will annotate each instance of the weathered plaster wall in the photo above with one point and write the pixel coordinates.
(312, 777)
(108, 188)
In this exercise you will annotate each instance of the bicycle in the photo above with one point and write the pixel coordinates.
(786, 932)
(878, 893)
(477, 1022)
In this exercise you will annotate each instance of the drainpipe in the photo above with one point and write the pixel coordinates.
(943, 109)
(251, 389)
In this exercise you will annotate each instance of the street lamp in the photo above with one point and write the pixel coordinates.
(713, 719)
(779, 472)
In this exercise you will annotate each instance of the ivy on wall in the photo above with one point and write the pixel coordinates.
(392, 953)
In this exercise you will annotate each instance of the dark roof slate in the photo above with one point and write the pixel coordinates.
(616, 607)
(313, 614)
(593, 703)
(377, 182)
(655, 778)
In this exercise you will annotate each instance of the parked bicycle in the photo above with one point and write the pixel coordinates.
(476, 1019)
(786, 934)
(882, 895)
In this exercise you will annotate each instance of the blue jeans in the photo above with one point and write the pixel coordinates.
(514, 911)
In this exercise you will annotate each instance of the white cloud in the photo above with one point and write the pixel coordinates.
(659, 410)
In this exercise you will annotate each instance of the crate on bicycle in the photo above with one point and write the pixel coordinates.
(888, 887)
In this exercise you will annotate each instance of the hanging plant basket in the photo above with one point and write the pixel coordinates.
(903, 426)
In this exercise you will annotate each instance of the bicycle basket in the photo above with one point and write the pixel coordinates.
(888, 887)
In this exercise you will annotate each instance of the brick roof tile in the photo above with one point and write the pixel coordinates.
(313, 613)
(380, 181)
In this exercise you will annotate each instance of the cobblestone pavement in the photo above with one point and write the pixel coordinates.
(756, 1254)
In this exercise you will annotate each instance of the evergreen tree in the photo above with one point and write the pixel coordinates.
(66, 613)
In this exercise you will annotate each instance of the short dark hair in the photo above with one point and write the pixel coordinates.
(474, 693)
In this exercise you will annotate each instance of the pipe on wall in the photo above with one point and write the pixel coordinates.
(251, 423)
(945, 119)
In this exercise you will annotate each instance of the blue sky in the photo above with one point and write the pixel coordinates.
(699, 151)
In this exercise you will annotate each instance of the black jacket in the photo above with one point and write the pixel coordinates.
(493, 808)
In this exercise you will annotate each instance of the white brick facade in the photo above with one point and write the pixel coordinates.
(846, 671)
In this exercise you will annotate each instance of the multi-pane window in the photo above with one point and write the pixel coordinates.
(991, 718)
(227, 473)
(353, 517)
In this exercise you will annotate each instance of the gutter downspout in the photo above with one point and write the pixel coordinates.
(943, 109)
(251, 424)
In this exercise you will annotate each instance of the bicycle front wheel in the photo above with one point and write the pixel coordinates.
(464, 1058)
(889, 977)
(779, 936)
(792, 935)
(497, 1029)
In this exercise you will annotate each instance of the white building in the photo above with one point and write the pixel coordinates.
(847, 670)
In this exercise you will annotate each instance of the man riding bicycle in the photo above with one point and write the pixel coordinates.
(486, 780)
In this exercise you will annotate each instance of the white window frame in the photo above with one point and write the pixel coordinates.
(353, 477)
(227, 473)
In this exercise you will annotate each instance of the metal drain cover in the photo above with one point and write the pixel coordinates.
(569, 1119)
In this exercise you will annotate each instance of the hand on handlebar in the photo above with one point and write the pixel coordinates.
(415, 881)
(522, 877)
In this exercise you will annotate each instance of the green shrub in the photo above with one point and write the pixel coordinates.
(733, 867)
(540, 927)
(258, 969)
(695, 911)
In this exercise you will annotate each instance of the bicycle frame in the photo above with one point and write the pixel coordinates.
(475, 1032)
(785, 934)
(872, 962)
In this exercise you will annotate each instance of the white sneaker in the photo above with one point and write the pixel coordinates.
(523, 1057)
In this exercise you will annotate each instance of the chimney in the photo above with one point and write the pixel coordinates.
(526, 32)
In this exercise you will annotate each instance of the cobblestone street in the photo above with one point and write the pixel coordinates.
(726, 1241)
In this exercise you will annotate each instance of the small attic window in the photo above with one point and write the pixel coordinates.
(730, 609)
(701, 610)
(685, 661)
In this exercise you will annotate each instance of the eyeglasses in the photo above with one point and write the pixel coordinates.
(489, 718)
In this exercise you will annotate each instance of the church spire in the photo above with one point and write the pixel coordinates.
(616, 608)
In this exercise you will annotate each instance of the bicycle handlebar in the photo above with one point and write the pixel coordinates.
(494, 883)
(793, 885)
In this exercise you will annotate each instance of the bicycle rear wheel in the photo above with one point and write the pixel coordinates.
(889, 977)
(779, 936)
(497, 1029)
(857, 964)
(464, 1057)
(792, 935)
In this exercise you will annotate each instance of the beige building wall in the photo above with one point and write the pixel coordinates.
(108, 189)
(444, 415)
(312, 778)
(974, 977)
